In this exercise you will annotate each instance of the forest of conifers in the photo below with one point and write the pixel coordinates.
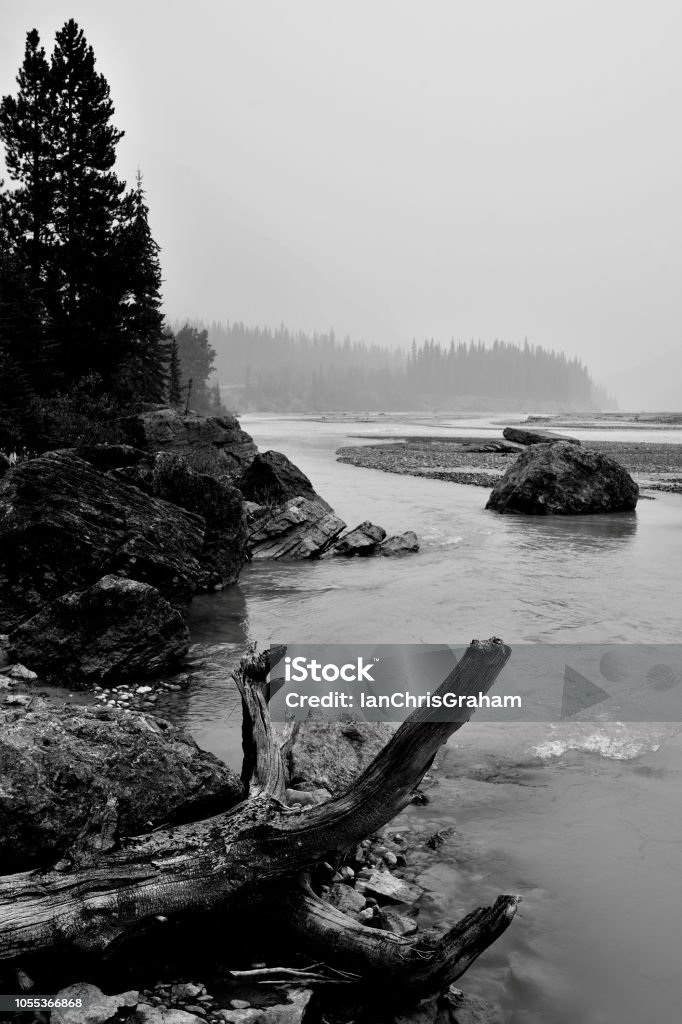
(284, 371)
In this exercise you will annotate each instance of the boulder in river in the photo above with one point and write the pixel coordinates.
(564, 479)
(400, 544)
(65, 524)
(523, 436)
(114, 630)
(298, 529)
(61, 766)
(211, 444)
(168, 476)
(272, 479)
(363, 540)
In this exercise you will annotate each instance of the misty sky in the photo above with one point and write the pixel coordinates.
(451, 169)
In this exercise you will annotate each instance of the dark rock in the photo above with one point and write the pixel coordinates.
(564, 479)
(59, 764)
(116, 629)
(345, 898)
(298, 529)
(64, 525)
(332, 754)
(363, 540)
(106, 456)
(215, 444)
(169, 477)
(400, 544)
(272, 479)
(523, 436)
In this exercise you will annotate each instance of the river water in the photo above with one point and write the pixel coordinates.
(582, 820)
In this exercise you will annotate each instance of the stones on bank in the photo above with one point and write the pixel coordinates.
(287, 518)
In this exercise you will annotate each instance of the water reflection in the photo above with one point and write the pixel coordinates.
(593, 534)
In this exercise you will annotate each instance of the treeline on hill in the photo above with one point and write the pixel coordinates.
(284, 371)
(82, 335)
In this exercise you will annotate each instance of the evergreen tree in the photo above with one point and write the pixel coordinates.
(196, 359)
(174, 375)
(145, 342)
(24, 122)
(86, 204)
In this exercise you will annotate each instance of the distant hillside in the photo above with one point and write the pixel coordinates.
(279, 370)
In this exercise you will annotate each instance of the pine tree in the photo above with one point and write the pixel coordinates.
(196, 359)
(145, 341)
(174, 375)
(24, 123)
(86, 200)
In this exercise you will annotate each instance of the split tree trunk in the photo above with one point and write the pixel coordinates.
(104, 892)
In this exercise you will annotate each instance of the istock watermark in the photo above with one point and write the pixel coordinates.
(540, 682)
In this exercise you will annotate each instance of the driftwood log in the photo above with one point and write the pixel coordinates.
(107, 889)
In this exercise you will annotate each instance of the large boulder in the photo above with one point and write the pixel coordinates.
(116, 629)
(331, 755)
(298, 529)
(272, 479)
(564, 479)
(169, 477)
(363, 540)
(211, 444)
(63, 765)
(522, 436)
(65, 524)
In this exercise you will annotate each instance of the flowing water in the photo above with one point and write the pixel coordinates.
(582, 820)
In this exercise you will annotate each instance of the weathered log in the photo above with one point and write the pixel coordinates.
(230, 858)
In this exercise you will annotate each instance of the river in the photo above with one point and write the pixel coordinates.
(582, 820)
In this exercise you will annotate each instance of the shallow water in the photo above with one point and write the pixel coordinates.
(581, 819)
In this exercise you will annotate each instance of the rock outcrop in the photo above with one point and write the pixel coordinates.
(523, 436)
(272, 479)
(400, 544)
(564, 479)
(66, 770)
(116, 629)
(363, 540)
(5, 465)
(169, 477)
(65, 524)
(298, 529)
(331, 755)
(215, 444)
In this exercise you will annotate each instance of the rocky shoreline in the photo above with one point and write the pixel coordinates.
(474, 461)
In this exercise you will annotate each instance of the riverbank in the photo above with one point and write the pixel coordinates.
(654, 465)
